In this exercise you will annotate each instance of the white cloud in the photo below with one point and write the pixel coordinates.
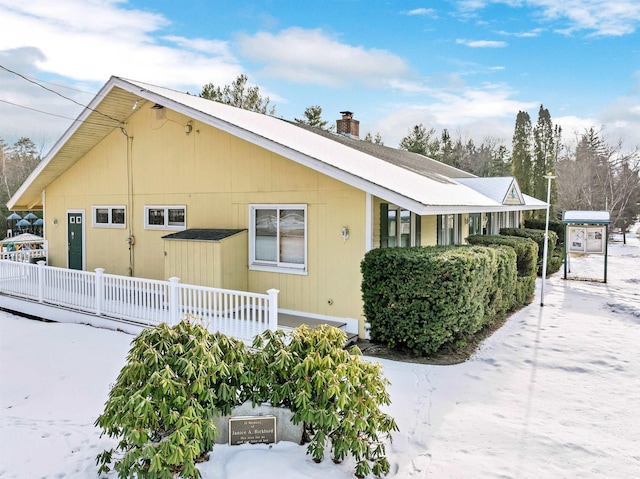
(427, 12)
(529, 34)
(313, 57)
(482, 43)
(91, 41)
(490, 111)
(602, 17)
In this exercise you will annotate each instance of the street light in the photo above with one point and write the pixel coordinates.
(549, 177)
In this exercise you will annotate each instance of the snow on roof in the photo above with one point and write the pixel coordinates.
(397, 179)
(577, 216)
(331, 157)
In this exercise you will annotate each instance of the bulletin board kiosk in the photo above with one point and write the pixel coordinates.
(586, 233)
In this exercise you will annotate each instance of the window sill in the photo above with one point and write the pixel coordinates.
(277, 269)
(107, 225)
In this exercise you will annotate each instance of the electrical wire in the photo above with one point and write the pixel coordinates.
(53, 114)
(59, 94)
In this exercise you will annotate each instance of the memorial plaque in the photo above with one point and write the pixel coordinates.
(253, 429)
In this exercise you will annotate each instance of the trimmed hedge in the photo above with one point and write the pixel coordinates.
(554, 225)
(527, 253)
(423, 298)
(526, 250)
(554, 259)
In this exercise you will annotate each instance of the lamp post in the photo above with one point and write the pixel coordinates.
(549, 177)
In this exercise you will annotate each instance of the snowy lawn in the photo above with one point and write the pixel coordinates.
(553, 394)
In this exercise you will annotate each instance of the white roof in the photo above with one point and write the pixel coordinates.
(578, 216)
(399, 185)
(498, 188)
(409, 189)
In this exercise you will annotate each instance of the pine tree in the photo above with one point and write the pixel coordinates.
(313, 117)
(420, 141)
(521, 152)
(237, 94)
(446, 148)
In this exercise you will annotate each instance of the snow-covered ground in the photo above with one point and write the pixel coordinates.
(553, 394)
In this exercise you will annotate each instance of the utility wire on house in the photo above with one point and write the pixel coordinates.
(58, 93)
(52, 114)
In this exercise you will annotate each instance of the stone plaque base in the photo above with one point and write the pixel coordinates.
(285, 429)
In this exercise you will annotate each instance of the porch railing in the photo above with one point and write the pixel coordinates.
(142, 301)
(23, 256)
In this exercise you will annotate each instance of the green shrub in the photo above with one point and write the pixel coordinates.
(177, 379)
(527, 253)
(538, 237)
(423, 298)
(163, 403)
(554, 225)
(338, 397)
(502, 284)
(525, 248)
(555, 260)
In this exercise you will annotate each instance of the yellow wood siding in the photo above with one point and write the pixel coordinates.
(429, 231)
(216, 176)
(218, 264)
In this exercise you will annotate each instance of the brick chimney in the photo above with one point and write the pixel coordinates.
(347, 125)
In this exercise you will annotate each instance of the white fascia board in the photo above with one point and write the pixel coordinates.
(63, 140)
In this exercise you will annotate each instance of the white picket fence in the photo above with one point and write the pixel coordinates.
(23, 256)
(142, 301)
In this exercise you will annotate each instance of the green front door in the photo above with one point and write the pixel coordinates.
(74, 239)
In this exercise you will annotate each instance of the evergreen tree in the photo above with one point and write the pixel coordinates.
(446, 148)
(521, 152)
(371, 139)
(500, 164)
(545, 138)
(239, 95)
(313, 117)
(421, 141)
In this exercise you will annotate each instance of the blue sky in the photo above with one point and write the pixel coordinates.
(468, 65)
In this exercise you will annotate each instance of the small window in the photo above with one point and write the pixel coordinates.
(108, 217)
(165, 217)
(278, 240)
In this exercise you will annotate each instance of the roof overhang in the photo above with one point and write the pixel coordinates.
(113, 105)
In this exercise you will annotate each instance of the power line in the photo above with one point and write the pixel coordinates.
(53, 114)
(59, 94)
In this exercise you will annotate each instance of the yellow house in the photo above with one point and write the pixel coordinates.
(155, 183)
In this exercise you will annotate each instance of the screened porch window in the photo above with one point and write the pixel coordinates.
(278, 238)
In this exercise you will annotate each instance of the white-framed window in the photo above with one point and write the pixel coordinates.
(163, 217)
(278, 238)
(109, 216)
